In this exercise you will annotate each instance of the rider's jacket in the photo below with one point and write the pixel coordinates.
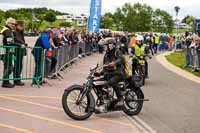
(116, 56)
(139, 50)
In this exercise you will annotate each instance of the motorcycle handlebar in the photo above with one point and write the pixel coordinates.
(94, 68)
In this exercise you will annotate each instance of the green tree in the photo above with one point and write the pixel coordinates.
(135, 17)
(1, 16)
(65, 24)
(189, 20)
(29, 24)
(162, 21)
(138, 18)
(50, 17)
(106, 21)
(117, 19)
(2, 20)
(10, 14)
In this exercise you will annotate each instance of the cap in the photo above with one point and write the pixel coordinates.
(19, 22)
(49, 30)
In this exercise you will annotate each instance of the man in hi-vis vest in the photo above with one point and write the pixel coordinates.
(156, 42)
(8, 40)
(140, 49)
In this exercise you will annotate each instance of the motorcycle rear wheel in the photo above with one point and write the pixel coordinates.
(133, 95)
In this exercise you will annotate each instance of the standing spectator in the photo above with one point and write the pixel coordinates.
(188, 54)
(165, 42)
(178, 43)
(43, 42)
(100, 44)
(50, 60)
(20, 52)
(8, 40)
(132, 41)
(156, 42)
(124, 41)
(75, 37)
(194, 46)
(149, 42)
(161, 45)
(170, 42)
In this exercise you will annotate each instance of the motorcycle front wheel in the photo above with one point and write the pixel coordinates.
(77, 110)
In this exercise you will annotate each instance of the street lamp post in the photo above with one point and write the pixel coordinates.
(177, 8)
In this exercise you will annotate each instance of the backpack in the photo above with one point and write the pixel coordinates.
(127, 68)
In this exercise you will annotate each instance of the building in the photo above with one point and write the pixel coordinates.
(180, 25)
(68, 18)
(81, 19)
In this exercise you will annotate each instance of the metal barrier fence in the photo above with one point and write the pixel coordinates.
(19, 64)
(64, 55)
(31, 64)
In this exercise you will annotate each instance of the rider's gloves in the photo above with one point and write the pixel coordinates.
(97, 74)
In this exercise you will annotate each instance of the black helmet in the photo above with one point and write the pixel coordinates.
(111, 43)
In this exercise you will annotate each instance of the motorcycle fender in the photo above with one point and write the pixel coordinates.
(92, 104)
(138, 89)
(74, 86)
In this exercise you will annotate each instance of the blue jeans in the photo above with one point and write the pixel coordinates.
(91, 47)
(188, 57)
(38, 68)
(50, 63)
(161, 46)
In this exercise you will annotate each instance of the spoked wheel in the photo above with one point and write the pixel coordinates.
(138, 72)
(133, 102)
(144, 75)
(73, 107)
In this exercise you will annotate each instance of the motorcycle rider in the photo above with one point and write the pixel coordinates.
(113, 72)
(140, 49)
(124, 44)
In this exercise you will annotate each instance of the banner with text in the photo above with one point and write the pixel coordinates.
(95, 16)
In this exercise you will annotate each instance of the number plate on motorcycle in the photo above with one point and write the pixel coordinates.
(141, 61)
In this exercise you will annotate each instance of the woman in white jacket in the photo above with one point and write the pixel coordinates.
(195, 44)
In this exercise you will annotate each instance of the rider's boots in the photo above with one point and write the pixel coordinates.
(120, 102)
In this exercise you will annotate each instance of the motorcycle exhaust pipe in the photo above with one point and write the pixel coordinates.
(142, 100)
(138, 100)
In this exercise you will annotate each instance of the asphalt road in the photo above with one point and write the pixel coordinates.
(174, 105)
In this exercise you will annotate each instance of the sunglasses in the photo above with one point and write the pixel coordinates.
(12, 23)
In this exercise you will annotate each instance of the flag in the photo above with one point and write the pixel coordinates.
(95, 16)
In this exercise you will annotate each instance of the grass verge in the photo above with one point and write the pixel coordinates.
(178, 59)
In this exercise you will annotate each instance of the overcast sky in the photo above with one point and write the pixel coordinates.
(191, 7)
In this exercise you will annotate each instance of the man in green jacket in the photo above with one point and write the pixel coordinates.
(8, 40)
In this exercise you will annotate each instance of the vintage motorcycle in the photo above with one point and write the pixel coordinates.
(140, 68)
(80, 101)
